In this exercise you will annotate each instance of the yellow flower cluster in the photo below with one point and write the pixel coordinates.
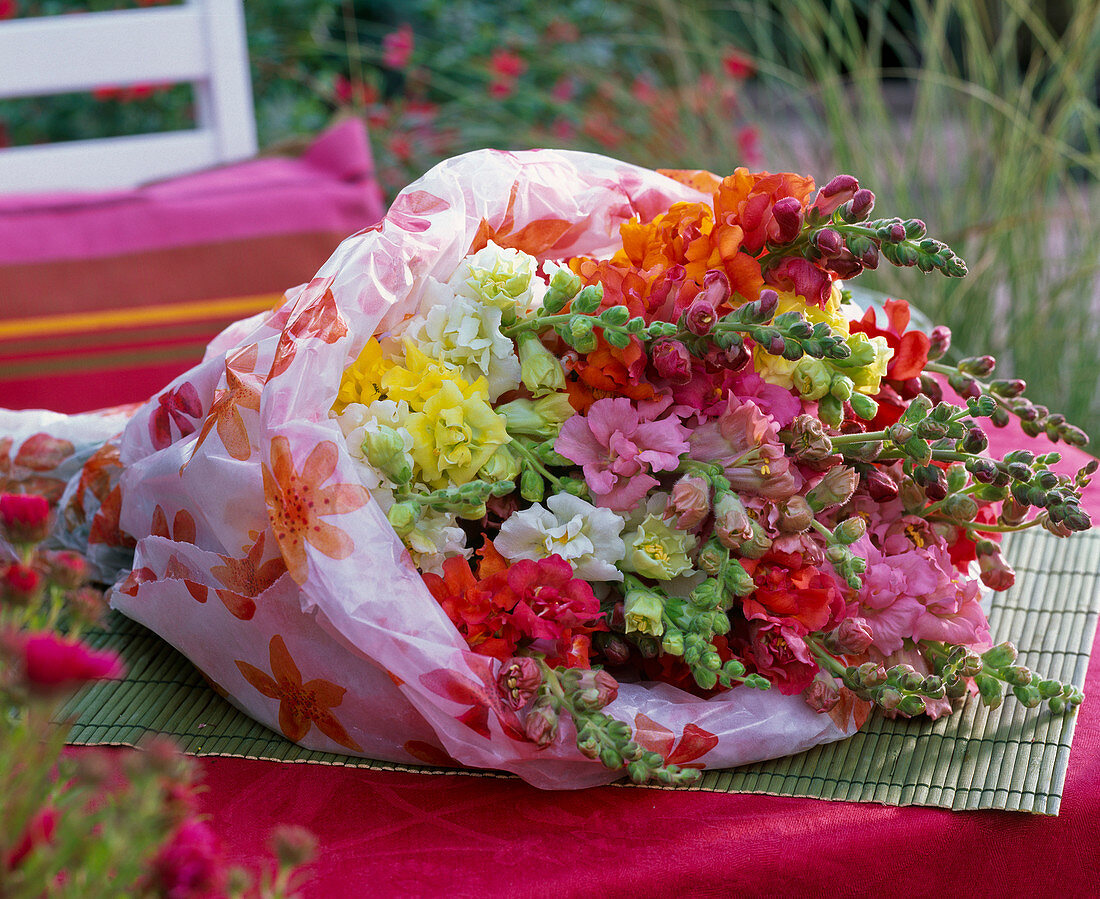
(455, 431)
(361, 382)
(869, 359)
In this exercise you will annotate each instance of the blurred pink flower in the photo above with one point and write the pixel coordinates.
(506, 64)
(189, 866)
(397, 48)
(737, 65)
(25, 517)
(52, 662)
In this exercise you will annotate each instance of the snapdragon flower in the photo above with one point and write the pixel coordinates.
(586, 536)
(435, 537)
(500, 277)
(466, 333)
(358, 423)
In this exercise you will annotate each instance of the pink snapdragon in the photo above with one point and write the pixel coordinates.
(916, 594)
(746, 442)
(618, 444)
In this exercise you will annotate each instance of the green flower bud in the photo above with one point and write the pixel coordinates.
(1000, 655)
(609, 758)
(618, 339)
(531, 486)
(990, 689)
(841, 387)
(403, 517)
(705, 678)
(502, 466)
(911, 705)
(736, 580)
(734, 668)
(588, 300)
(1048, 688)
(956, 477)
(672, 642)
(830, 410)
(850, 530)
(1028, 695)
(960, 507)
(955, 688)
(863, 406)
(811, 378)
(385, 450)
(575, 486)
(540, 369)
(542, 417)
(473, 512)
(644, 611)
(563, 287)
(616, 316)
(1017, 675)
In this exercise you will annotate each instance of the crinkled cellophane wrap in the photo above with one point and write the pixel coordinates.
(261, 558)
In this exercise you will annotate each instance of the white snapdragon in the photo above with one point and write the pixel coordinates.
(434, 538)
(586, 536)
(500, 277)
(466, 333)
(357, 422)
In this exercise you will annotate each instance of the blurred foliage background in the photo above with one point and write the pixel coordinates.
(980, 116)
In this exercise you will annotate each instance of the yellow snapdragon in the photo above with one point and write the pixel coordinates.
(361, 381)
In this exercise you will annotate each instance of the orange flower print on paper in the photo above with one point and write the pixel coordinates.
(296, 503)
(315, 317)
(247, 578)
(241, 391)
(694, 744)
(301, 705)
(534, 238)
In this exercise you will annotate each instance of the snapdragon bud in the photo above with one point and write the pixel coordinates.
(812, 378)
(836, 487)
(858, 208)
(540, 370)
(403, 517)
(541, 724)
(643, 610)
(838, 191)
(850, 530)
(385, 451)
(672, 361)
(851, 637)
(564, 285)
(807, 439)
(795, 515)
(787, 217)
(940, 342)
(821, 695)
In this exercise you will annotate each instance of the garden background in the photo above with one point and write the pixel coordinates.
(980, 116)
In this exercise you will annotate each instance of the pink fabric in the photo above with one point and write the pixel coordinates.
(393, 834)
(249, 199)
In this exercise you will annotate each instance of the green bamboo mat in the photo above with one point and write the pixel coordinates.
(1008, 758)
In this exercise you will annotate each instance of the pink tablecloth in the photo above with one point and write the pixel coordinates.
(388, 834)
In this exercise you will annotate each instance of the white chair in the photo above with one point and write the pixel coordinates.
(201, 42)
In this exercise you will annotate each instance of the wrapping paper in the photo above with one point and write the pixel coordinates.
(261, 557)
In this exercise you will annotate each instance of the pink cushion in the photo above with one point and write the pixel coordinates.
(107, 296)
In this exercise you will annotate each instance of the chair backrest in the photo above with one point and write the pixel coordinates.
(201, 42)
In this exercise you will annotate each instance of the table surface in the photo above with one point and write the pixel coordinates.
(396, 834)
